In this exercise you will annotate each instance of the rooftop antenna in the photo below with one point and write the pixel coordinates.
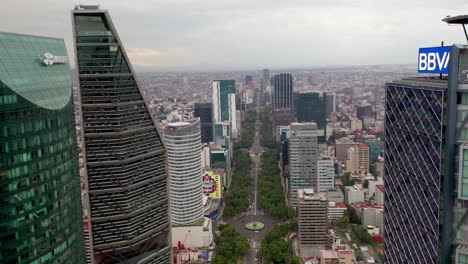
(462, 19)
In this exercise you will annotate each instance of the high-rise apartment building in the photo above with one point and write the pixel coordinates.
(312, 107)
(282, 101)
(426, 152)
(341, 148)
(303, 155)
(205, 112)
(326, 173)
(183, 144)
(125, 160)
(312, 221)
(41, 217)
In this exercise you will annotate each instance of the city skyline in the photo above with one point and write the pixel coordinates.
(193, 36)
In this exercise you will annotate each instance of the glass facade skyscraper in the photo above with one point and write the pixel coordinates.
(124, 154)
(312, 107)
(205, 112)
(282, 101)
(40, 208)
(426, 137)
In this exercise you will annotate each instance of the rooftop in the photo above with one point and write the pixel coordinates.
(461, 19)
(380, 187)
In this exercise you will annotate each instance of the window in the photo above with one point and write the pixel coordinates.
(464, 174)
(462, 258)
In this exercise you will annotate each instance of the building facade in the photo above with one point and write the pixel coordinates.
(312, 220)
(221, 101)
(183, 144)
(312, 107)
(205, 112)
(41, 219)
(326, 173)
(303, 155)
(125, 160)
(341, 148)
(364, 111)
(425, 150)
(282, 101)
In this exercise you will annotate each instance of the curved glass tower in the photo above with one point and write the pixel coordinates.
(183, 142)
(40, 208)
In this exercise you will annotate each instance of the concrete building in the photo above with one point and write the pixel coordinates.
(372, 185)
(335, 211)
(373, 216)
(364, 111)
(183, 142)
(125, 158)
(358, 160)
(335, 196)
(353, 194)
(193, 237)
(326, 173)
(41, 216)
(303, 154)
(222, 89)
(355, 124)
(341, 148)
(312, 222)
(379, 194)
(336, 257)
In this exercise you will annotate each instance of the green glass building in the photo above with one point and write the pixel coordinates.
(40, 216)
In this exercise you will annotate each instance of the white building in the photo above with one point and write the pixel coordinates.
(353, 194)
(192, 237)
(183, 142)
(206, 156)
(372, 185)
(335, 211)
(373, 216)
(326, 173)
(379, 194)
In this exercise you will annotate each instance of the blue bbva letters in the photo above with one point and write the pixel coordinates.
(434, 60)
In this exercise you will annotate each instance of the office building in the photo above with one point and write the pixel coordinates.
(379, 194)
(205, 112)
(183, 144)
(312, 221)
(311, 107)
(330, 103)
(125, 160)
(373, 216)
(341, 148)
(248, 79)
(335, 210)
(354, 194)
(358, 159)
(425, 151)
(326, 173)
(282, 101)
(375, 147)
(303, 155)
(364, 111)
(222, 102)
(41, 217)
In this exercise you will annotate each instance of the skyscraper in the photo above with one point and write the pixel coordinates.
(331, 102)
(311, 107)
(302, 153)
(425, 178)
(364, 111)
(205, 112)
(183, 144)
(40, 212)
(222, 89)
(125, 158)
(282, 103)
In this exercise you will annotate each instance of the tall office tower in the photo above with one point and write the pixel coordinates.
(364, 111)
(248, 79)
(312, 222)
(375, 147)
(265, 79)
(426, 151)
(331, 103)
(205, 112)
(183, 144)
(125, 158)
(341, 148)
(221, 100)
(282, 103)
(311, 107)
(41, 218)
(303, 152)
(326, 173)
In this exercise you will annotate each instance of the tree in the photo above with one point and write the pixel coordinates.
(353, 217)
(343, 221)
(362, 234)
(365, 184)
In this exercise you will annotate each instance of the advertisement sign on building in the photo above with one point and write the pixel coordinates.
(212, 185)
(434, 60)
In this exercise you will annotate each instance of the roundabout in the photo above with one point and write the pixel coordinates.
(254, 226)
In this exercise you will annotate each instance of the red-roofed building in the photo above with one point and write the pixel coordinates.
(335, 211)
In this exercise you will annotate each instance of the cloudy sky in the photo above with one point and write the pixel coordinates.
(254, 34)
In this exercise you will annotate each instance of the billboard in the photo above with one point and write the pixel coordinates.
(211, 185)
(434, 60)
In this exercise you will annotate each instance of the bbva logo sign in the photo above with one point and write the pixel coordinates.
(434, 60)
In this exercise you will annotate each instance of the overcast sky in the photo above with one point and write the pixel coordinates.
(254, 34)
